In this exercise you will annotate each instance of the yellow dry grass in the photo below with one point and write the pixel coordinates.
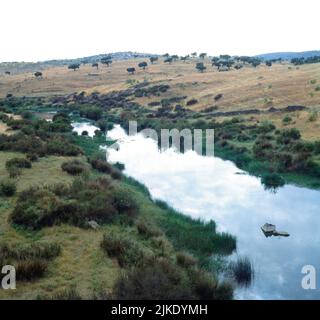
(260, 87)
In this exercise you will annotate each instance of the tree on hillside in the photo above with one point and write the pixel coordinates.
(38, 74)
(194, 54)
(74, 66)
(238, 66)
(168, 60)
(95, 65)
(200, 66)
(106, 60)
(184, 58)
(131, 70)
(142, 65)
(202, 55)
(166, 55)
(153, 59)
(85, 61)
(269, 63)
(175, 57)
(225, 56)
(256, 63)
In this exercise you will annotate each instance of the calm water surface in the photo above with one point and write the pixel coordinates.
(211, 188)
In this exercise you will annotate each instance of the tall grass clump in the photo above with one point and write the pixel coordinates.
(27, 270)
(242, 271)
(126, 250)
(196, 236)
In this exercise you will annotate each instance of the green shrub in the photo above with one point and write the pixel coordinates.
(86, 199)
(272, 181)
(148, 230)
(286, 120)
(159, 280)
(317, 147)
(127, 251)
(124, 201)
(116, 174)
(7, 188)
(101, 166)
(73, 167)
(14, 172)
(32, 157)
(208, 288)
(18, 163)
(286, 135)
(313, 116)
(120, 166)
(186, 260)
(46, 251)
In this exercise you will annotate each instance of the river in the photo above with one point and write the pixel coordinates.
(211, 188)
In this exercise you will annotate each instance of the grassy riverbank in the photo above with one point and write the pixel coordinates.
(52, 189)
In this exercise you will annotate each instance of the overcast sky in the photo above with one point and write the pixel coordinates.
(33, 30)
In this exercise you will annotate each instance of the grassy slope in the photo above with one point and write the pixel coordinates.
(82, 264)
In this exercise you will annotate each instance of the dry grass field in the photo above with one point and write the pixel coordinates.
(262, 87)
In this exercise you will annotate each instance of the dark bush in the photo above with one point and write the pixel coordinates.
(159, 280)
(101, 166)
(27, 270)
(18, 163)
(148, 230)
(116, 174)
(7, 188)
(243, 272)
(192, 102)
(127, 251)
(73, 167)
(124, 201)
(186, 260)
(218, 97)
(272, 181)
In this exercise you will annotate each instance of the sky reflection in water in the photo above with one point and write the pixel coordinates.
(211, 188)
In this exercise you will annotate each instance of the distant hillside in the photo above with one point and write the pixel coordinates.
(288, 55)
(21, 67)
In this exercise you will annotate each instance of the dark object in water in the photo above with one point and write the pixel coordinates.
(270, 230)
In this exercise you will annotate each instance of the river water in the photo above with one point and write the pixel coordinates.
(211, 188)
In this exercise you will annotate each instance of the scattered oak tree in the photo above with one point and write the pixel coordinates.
(95, 65)
(184, 58)
(74, 66)
(200, 66)
(38, 74)
(269, 63)
(168, 60)
(142, 65)
(106, 60)
(153, 59)
(131, 70)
